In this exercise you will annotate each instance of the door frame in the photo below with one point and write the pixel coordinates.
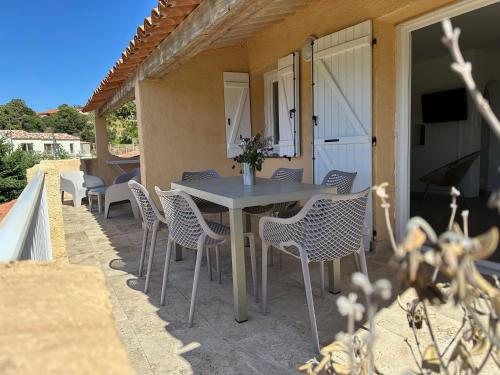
(403, 100)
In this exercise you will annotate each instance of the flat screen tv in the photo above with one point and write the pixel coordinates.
(444, 106)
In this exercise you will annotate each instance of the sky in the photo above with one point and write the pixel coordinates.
(56, 52)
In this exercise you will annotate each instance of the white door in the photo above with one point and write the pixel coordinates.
(237, 109)
(288, 98)
(343, 108)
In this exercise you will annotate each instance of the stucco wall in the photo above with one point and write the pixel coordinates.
(97, 166)
(322, 18)
(182, 118)
(52, 169)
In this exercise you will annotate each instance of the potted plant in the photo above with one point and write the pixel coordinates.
(253, 154)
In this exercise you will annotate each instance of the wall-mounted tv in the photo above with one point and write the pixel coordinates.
(444, 106)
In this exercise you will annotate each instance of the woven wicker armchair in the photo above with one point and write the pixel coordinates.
(151, 219)
(188, 228)
(328, 227)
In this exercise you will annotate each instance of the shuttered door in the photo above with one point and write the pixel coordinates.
(288, 88)
(342, 107)
(237, 110)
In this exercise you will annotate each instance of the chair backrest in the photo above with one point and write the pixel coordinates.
(76, 177)
(125, 177)
(92, 181)
(329, 226)
(288, 174)
(200, 175)
(147, 207)
(185, 221)
(342, 180)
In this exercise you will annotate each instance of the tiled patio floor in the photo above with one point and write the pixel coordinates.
(158, 339)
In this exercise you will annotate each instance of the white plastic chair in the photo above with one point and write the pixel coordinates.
(188, 228)
(92, 182)
(151, 219)
(73, 182)
(328, 227)
(283, 174)
(343, 181)
(205, 206)
(119, 192)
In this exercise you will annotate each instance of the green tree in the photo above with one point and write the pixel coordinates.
(67, 120)
(16, 115)
(122, 124)
(13, 165)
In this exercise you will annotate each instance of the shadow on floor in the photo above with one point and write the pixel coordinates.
(158, 339)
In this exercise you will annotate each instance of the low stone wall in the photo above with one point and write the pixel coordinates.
(57, 319)
(52, 169)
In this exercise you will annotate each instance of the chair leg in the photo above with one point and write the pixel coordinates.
(356, 261)
(263, 294)
(151, 255)
(106, 209)
(322, 279)
(310, 304)
(209, 263)
(165, 273)
(62, 197)
(253, 262)
(362, 260)
(143, 250)
(217, 264)
(199, 256)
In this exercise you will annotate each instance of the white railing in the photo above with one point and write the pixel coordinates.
(25, 232)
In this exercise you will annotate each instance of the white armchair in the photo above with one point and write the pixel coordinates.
(92, 182)
(73, 182)
(119, 192)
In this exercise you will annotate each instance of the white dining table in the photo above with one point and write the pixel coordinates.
(231, 193)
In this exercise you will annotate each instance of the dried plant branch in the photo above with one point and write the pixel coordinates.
(433, 338)
(464, 69)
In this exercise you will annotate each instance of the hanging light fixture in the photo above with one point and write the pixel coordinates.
(307, 48)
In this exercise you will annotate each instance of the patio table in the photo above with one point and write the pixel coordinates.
(231, 193)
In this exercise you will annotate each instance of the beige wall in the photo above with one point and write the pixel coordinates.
(181, 117)
(97, 166)
(322, 18)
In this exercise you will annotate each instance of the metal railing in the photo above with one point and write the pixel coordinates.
(25, 232)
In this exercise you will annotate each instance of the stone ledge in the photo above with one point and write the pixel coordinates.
(57, 318)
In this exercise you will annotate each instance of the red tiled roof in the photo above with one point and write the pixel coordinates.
(22, 134)
(47, 112)
(5, 207)
(164, 19)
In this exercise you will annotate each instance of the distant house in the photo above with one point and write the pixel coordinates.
(47, 113)
(44, 142)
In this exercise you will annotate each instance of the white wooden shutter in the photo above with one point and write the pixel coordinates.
(342, 108)
(288, 94)
(237, 109)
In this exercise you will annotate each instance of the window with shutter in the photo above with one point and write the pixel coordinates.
(237, 110)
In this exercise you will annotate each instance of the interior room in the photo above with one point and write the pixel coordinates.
(450, 143)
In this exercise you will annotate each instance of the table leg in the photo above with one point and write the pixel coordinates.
(334, 276)
(238, 263)
(178, 252)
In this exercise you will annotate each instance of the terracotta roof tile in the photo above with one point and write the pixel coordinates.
(22, 134)
(163, 20)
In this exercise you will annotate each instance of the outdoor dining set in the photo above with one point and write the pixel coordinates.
(327, 227)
